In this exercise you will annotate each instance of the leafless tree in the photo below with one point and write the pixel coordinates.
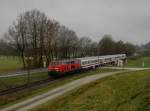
(85, 44)
(67, 42)
(51, 40)
(18, 36)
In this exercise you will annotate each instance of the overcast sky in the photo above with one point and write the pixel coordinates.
(127, 20)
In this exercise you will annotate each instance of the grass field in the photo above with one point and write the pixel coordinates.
(15, 97)
(123, 92)
(138, 62)
(9, 64)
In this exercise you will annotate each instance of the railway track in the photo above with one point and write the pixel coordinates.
(25, 86)
(31, 85)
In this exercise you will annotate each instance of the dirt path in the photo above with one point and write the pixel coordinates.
(128, 68)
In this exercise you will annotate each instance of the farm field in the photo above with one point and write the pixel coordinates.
(138, 62)
(8, 64)
(14, 98)
(122, 92)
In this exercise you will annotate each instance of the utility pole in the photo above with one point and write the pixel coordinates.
(29, 59)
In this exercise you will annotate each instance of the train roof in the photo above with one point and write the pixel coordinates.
(91, 58)
(101, 57)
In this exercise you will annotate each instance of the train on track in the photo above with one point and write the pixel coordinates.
(62, 67)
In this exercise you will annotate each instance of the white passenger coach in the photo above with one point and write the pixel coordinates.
(95, 61)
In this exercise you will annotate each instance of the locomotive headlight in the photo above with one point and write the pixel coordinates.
(56, 68)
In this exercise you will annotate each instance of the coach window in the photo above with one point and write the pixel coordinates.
(84, 63)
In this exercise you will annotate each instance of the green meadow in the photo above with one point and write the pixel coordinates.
(138, 62)
(8, 64)
(121, 92)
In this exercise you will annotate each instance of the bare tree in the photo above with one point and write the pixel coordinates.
(51, 40)
(67, 42)
(36, 23)
(85, 44)
(106, 45)
(18, 36)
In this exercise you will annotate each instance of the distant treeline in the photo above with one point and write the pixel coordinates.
(34, 35)
(144, 50)
(6, 49)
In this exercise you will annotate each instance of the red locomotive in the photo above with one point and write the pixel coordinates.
(60, 68)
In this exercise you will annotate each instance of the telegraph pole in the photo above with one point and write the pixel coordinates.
(29, 59)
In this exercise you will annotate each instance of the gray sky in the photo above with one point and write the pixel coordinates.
(128, 20)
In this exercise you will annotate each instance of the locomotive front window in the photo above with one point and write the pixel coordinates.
(54, 63)
(72, 62)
